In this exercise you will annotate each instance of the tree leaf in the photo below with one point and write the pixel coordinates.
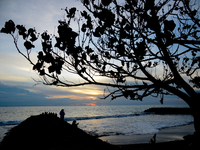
(106, 2)
(71, 12)
(22, 30)
(45, 36)
(83, 28)
(42, 72)
(121, 49)
(9, 27)
(169, 25)
(28, 45)
(86, 2)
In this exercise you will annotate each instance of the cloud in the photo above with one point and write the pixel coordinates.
(87, 91)
(77, 97)
(79, 93)
(20, 96)
(14, 96)
(17, 96)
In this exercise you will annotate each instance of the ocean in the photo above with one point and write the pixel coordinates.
(100, 120)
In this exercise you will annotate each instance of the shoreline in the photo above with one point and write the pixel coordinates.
(4, 130)
(164, 135)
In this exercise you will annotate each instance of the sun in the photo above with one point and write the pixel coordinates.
(90, 104)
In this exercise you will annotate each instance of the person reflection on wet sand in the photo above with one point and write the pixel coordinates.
(153, 139)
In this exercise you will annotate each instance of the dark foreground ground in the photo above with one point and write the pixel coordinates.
(48, 132)
(173, 145)
(164, 135)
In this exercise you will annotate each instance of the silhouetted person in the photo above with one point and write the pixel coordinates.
(62, 114)
(153, 139)
(74, 124)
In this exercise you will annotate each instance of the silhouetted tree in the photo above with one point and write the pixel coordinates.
(142, 48)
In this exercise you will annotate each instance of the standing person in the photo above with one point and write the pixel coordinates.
(62, 114)
(153, 139)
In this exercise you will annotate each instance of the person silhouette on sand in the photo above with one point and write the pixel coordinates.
(62, 114)
(153, 139)
(74, 124)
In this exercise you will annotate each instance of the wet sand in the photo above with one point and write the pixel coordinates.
(165, 135)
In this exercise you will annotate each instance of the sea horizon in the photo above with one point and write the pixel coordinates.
(161, 105)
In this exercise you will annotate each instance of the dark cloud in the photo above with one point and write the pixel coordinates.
(14, 96)
(18, 96)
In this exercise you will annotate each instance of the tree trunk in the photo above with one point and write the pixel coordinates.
(196, 115)
(194, 106)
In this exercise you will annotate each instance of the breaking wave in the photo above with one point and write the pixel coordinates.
(79, 118)
(104, 117)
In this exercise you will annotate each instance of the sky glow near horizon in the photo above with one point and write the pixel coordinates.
(17, 74)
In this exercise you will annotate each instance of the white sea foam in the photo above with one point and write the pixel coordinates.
(144, 124)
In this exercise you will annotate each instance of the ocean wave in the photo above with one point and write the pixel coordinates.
(146, 124)
(4, 123)
(103, 117)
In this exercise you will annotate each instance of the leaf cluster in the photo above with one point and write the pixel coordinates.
(142, 47)
(29, 36)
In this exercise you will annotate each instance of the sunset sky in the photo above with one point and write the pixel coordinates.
(17, 87)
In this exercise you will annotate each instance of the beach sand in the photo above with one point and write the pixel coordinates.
(165, 135)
